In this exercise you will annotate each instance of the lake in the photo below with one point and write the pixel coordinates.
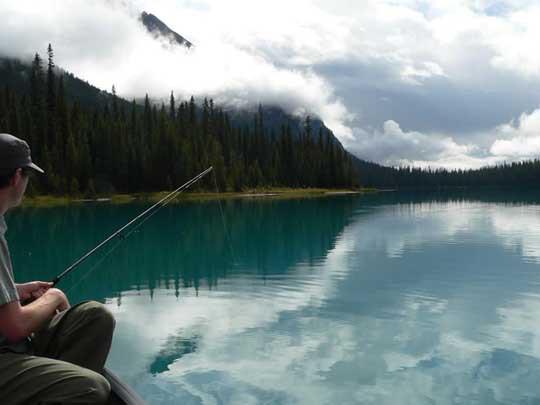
(388, 298)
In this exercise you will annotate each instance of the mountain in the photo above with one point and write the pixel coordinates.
(274, 116)
(159, 29)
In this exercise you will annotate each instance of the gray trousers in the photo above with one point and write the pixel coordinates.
(65, 361)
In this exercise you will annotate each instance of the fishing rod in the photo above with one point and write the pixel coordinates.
(154, 208)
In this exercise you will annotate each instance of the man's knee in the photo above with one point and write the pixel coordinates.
(93, 387)
(101, 389)
(67, 383)
(99, 315)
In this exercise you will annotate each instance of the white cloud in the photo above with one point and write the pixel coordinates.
(438, 63)
(514, 141)
(414, 75)
(520, 147)
(395, 147)
(103, 42)
(519, 140)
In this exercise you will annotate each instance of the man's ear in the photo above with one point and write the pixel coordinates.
(17, 176)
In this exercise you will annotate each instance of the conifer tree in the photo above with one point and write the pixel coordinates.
(51, 98)
(172, 107)
(114, 103)
(37, 97)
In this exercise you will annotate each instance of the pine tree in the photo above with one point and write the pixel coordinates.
(51, 98)
(172, 107)
(115, 111)
(37, 97)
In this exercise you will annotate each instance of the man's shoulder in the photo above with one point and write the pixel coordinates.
(5, 259)
(3, 225)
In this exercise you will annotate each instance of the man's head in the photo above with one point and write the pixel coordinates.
(15, 167)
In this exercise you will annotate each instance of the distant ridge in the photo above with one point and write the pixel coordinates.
(158, 28)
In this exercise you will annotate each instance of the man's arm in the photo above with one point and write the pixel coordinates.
(17, 321)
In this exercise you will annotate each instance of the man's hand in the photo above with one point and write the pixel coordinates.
(33, 290)
(59, 297)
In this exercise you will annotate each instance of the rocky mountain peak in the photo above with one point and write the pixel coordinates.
(159, 29)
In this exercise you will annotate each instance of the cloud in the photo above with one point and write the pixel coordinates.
(516, 140)
(104, 42)
(519, 140)
(427, 70)
(395, 147)
(445, 67)
(448, 72)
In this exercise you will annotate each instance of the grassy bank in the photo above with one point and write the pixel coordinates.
(52, 201)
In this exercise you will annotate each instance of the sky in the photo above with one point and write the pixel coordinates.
(446, 83)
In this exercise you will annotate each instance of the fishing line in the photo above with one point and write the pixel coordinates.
(115, 246)
(165, 201)
(119, 233)
(227, 236)
(96, 265)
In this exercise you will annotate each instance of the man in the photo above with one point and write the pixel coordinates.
(49, 352)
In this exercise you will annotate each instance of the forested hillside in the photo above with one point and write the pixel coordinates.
(90, 141)
(525, 175)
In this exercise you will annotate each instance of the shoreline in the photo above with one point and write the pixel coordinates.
(48, 200)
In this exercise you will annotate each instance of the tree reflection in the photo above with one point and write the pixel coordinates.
(184, 246)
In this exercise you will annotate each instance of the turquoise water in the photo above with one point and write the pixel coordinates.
(382, 299)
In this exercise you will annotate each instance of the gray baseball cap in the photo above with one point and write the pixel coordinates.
(15, 153)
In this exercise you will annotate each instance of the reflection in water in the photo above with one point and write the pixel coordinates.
(182, 247)
(383, 299)
(173, 349)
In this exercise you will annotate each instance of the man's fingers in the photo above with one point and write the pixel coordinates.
(42, 285)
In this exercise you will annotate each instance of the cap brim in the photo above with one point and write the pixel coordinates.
(36, 168)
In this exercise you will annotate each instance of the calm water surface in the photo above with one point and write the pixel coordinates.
(385, 299)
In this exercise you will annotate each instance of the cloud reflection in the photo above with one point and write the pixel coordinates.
(416, 303)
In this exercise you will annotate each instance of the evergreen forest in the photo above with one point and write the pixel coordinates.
(514, 175)
(108, 145)
(93, 142)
